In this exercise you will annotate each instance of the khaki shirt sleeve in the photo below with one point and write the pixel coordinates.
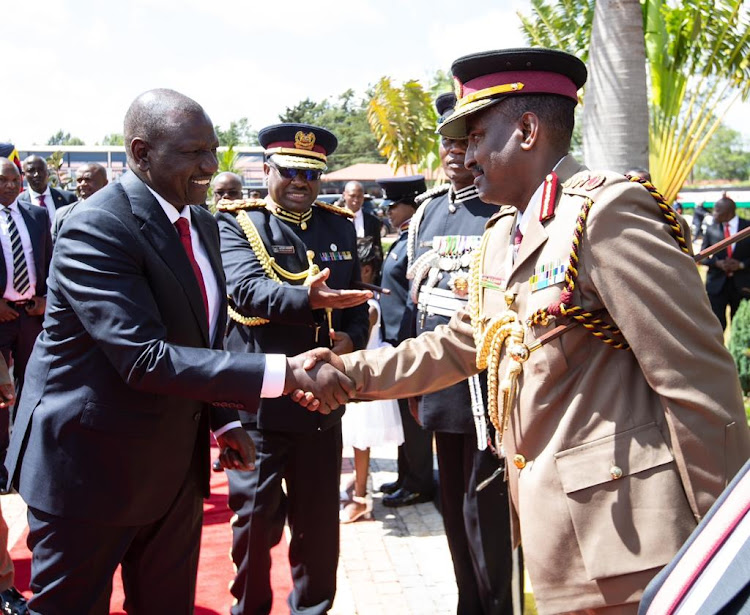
(656, 297)
(425, 364)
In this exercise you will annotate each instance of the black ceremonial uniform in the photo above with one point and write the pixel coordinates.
(292, 443)
(415, 454)
(444, 232)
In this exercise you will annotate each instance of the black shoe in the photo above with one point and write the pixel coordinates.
(12, 602)
(389, 488)
(402, 497)
(217, 466)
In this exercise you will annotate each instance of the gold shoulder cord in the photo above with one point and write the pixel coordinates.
(270, 268)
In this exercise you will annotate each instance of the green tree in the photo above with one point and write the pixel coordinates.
(240, 132)
(724, 157)
(696, 52)
(403, 120)
(114, 138)
(441, 82)
(64, 138)
(739, 343)
(346, 117)
(228, 159)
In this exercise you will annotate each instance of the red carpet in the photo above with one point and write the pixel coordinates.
(215, 571)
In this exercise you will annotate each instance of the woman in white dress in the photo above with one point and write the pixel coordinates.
(369, 423)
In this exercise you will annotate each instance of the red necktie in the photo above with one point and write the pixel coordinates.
(517, 238)
(726, 235)
(183, 228)
(41, 201)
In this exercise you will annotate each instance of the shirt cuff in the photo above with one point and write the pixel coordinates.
(274, 376)
(227, 427)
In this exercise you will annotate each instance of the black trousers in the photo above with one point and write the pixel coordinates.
(729, 296)
(477, 525)
(74, 561)
(415, 454)
(17, 339)
(310, 464)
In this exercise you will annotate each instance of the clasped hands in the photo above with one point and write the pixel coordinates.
(316, 380)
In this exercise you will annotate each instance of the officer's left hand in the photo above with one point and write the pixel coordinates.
(237, 450)
(36, 306)
(7, 395)
(342, 343)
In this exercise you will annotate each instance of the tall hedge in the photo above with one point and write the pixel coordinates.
(739, 343)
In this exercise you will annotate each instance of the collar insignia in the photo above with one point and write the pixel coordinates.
(549, 196)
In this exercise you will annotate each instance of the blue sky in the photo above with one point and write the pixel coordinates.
(80, 63)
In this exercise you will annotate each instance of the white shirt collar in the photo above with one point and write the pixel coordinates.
(13, 206)
(36, 195)
(170, 209)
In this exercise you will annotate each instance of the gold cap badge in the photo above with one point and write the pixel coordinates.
(304, 141)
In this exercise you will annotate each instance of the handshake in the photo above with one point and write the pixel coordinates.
(316, 380)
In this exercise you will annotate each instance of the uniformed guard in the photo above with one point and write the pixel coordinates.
(286, 259)
(415, 482)
(622, 416)
(443, 235)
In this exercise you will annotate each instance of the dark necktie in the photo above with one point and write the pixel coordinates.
(726, 235)
(41, 201)
(517, 238)
(183, 228)
(20, 270)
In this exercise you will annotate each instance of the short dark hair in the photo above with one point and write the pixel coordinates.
(556, 112)
(153, 113)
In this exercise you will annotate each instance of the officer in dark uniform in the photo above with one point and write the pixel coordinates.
(415, 480)
(284, 259)
(443, 234)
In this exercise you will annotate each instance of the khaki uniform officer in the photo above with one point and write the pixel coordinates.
(622, 432)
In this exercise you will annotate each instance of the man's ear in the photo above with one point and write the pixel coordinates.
(139, 149)
(529, 127)
(266, 169)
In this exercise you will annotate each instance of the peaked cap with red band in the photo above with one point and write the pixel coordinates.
(298, 146)
(482, 79)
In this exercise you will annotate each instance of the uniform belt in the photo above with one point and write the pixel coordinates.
(19, 303)
(439, 301)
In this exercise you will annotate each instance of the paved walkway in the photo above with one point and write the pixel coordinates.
(396, 564)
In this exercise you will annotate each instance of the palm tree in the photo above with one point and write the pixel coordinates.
(697, 62)
(228, 159)
(403, 121)
(615, 110)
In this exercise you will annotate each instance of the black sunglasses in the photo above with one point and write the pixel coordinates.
(310, 175)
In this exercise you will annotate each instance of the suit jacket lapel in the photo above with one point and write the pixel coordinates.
(166, 242)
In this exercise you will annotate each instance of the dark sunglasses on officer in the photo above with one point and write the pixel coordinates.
(310, 175)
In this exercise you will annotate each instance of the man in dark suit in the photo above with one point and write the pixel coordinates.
(444, 233)
(365, 224)
(415, 483)
(39, 191)
(90, 178)
(24, 265)
(280, 301)
(728, 277)
(711, 572)
(110, 447)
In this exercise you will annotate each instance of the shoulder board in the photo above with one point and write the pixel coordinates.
(334, 209)
(431, 193)
(584, 183)
(230, 206)
(503, 210)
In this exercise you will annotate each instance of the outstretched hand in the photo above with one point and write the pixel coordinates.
(323, 296)
(321, 385)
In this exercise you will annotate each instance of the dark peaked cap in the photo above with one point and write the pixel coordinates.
(490, 76)
(444, 105)
(402, 189)
(298, 146)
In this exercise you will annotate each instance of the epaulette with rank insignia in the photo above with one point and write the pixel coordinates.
(431, 193)
(334, 209)
(240, 204)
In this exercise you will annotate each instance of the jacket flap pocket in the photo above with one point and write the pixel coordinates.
(612, 457)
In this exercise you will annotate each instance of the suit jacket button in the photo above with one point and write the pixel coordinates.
(519, 461)
(615, 472)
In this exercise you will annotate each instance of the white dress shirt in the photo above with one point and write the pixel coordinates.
(49, 202)
(359, 223)
(10, 293)
(274, 374)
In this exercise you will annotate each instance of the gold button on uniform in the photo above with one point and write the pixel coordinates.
(615, 472)
(519, 461)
